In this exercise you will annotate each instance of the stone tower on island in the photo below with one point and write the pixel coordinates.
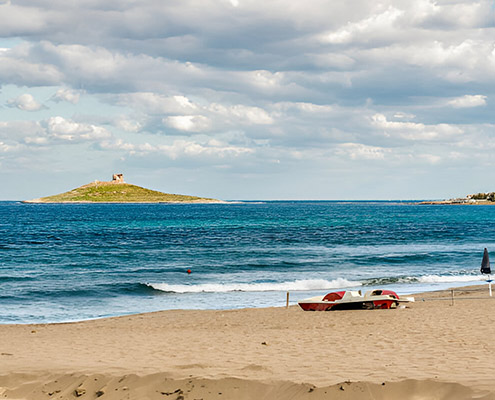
(118, 178)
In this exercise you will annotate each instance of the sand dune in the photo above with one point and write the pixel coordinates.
(430, 350)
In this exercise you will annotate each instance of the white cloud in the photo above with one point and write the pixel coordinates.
(304, 107)
(19, 67)
(68, 95)
(270, 88)
(358, 151)
(128, 125)
(458, 14)
(188, 123)
(14, 130)
(37, 140)
(403, 115)
(51, 132)
(118, 144)
(468, 101)
(16, 20)
(238, 114)
(193, 149)
(155, 103)
(415, 131)
(179, 149)
(25, 102)
(67, 130)
(377, 25)
(184, 114)
(5, 148)
(264, 79)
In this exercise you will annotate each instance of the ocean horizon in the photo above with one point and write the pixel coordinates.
(70, 262)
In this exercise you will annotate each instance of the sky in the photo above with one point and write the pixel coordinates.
(249, 99)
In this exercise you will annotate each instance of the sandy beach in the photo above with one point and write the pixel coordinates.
(429, 350)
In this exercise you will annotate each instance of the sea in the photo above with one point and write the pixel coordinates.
(71, 262)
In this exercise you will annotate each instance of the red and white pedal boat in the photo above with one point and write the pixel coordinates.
(353, 300)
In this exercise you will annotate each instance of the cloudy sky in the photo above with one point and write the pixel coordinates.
(249, 99)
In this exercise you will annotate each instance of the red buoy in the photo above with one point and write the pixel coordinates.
(188, 271)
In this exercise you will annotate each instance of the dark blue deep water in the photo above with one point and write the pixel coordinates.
(64, 262)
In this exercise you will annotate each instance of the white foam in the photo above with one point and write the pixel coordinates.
(298, 285)
(450, 278)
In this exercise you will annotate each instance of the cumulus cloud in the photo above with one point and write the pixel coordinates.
(188, 123)
(183, 114)
(155, 103)
(304, 107)
(128, 125)
(241, 114)
(67, 130)
(68, 95)
(415, 131)
(19, 67)
(468, 101)
(181, 149)
(51, 132)
(379, 25)
(301, 86)
(25, 102)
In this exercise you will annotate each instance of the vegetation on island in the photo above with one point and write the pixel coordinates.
(483, 196)
(109, 192)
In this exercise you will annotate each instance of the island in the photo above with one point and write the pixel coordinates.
(118, 191)
(471, 199)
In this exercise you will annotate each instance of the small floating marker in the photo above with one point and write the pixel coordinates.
(189, 271)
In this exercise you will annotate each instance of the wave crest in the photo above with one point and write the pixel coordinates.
(309, 284)
(298, 285)
(431, 279)
(450, 278)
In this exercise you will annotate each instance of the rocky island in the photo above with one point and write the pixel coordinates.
(474, 199)
(118, 191)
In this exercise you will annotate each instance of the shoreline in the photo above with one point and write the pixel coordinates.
(38, 201)
(124, 202)
(456, 203)
(429, 346)
(429, 295)
(272, 298)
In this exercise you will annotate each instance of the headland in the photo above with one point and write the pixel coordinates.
(118, 191)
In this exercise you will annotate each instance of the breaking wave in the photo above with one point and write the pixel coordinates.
(298, 285)
(450, 278)
(428, 279)
(309, 284)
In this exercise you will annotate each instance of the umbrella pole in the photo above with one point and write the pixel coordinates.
(489, 285)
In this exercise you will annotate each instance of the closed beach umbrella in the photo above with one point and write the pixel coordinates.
(485, 264)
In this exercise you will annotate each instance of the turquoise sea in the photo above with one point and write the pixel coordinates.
(66, 262)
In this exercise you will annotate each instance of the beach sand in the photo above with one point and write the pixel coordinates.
(429, 350)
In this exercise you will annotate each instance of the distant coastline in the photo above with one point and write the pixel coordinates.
(471, 199)
(118, 191)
